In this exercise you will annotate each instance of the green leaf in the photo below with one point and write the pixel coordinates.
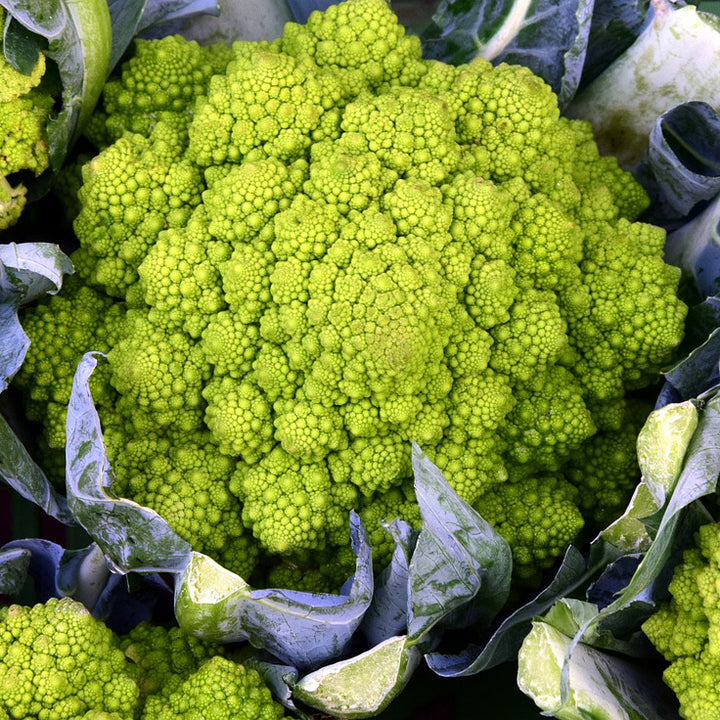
(698, 477)
(548, 37)
(695, 248)
(667, 65)
(304, 630)
(460, 570)
(78, 38)
(682, 167)
(387, 615)
(132, 536)
(615, 25)
(14, 564)
(364, 685)
(241, 20)
(698, 370)
(22, 474)
(132, 17)
(506, 640)
(600, 685)
(279, 678)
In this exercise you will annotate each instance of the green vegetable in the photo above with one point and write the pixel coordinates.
(59, 661)
(24, 112)
(345, 248)
(599, 686)
(686, 629)
(665, 66)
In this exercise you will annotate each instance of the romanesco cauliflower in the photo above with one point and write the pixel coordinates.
(686, 630)
(24, 113)
(342, 248)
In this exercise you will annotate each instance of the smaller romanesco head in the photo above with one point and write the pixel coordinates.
(57, 661)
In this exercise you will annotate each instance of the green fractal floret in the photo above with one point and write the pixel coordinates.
(686, 629)
(24, 114)
(57, 661)
(220, 690)
(164, 76)
(539, 518)
(340, 249)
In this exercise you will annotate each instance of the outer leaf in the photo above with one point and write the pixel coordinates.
(665, 66)
(302, 629)
(241, 20)
(387, 615)
(506, 640)
(14, 564)
(133, 17)
(662, 446)
(301, 9)
(698, 371)
(615, 26)
(83, 575)
(698, 477)
(682, 166)
(132, 536)
(548, 37)
(364, 685)
(695, 248)
(460, 570)
(279, 678)
(22, 474)
(79, 38)
(600, 685)
(27, 271)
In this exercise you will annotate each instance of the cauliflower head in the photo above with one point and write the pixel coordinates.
(343, 248)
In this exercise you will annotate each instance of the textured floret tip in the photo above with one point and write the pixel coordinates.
(686, 629)
(57, 661)
(342, 248)
(220, 690)
(24, 114)
(163, 78)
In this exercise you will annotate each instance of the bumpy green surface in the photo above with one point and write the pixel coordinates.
(57, 661)
(686, 630)
(344, 248)
(24, 112)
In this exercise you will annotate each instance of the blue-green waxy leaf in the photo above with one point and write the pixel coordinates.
(240, 20)
(665, 66)
(301, 9)
(695, 248)
(697, 478)
(14, 564)
(83, 575)
(132, 536)
(548, 37)
(302, 629)
(460, 571)
(387, 615)
(698, 370)
(78, 36)
(21, 47)
(27, 272)
(615, 25)
(279, 678)
(22, 474)
(506, 640)
(682, 165)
